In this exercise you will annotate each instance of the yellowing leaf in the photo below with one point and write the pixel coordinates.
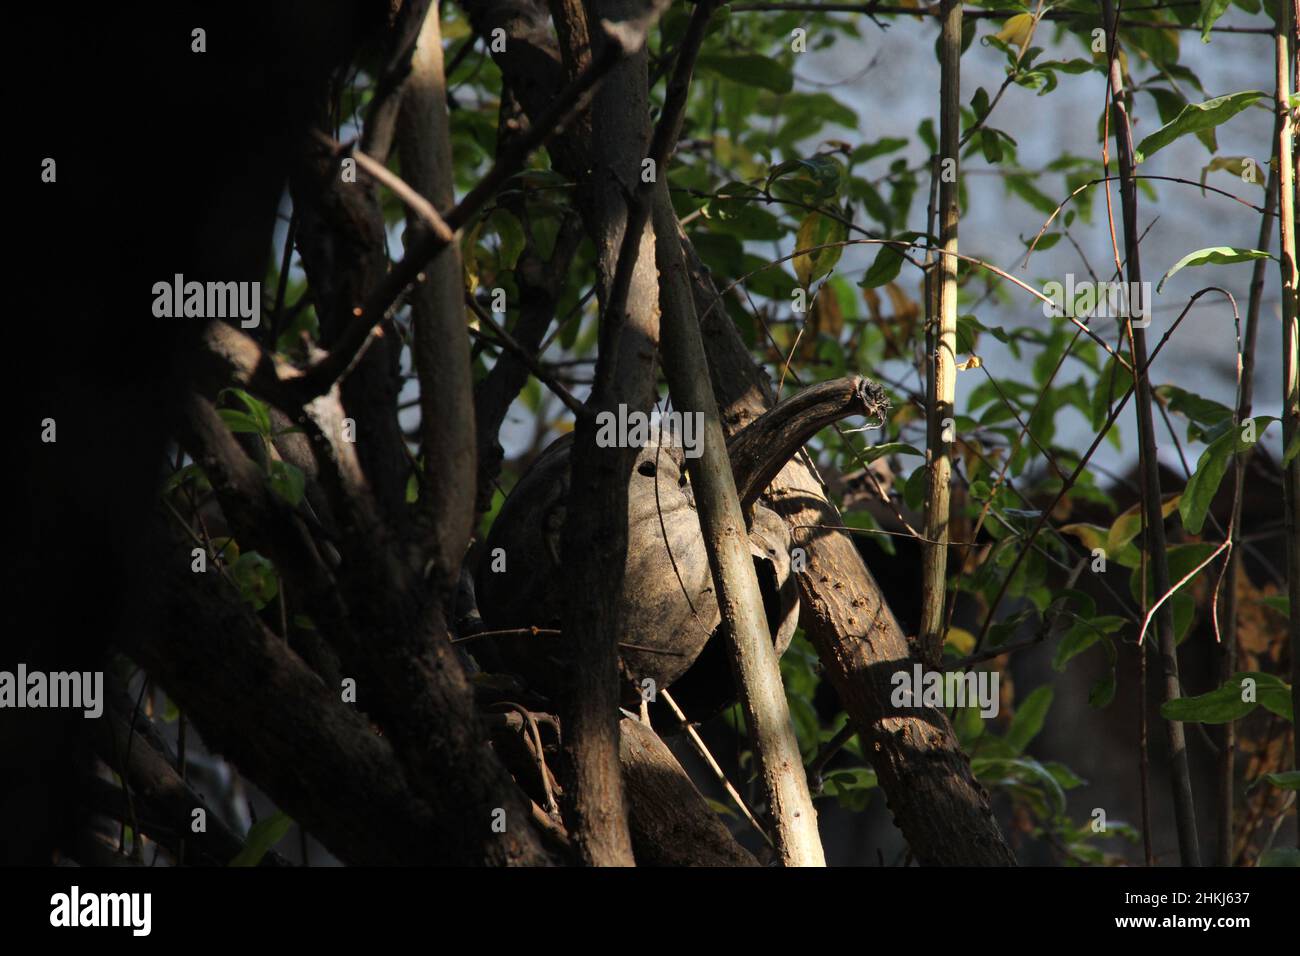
(1129, 525)
(1018, 30)
(1244, 167)
(827, 317)
(818, 231)
(960, 640)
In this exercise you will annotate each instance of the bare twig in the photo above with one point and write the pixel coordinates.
(625, 39)
(1155, 550)
(706, 755)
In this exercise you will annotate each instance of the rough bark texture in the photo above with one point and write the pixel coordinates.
(445, 510)
(341, 244)
(156, 800)
(594, 541)
(308, 750)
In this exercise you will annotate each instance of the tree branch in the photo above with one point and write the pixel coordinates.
(941, 809)
(445, 509)
(767, 712)
(1157, 556)
(941, 338)
(622, 42)
(316, 757)
(761, 449)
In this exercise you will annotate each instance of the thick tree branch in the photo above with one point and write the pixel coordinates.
(319, 759)
(594, 536)
(159, 800)
(445, 510)
(671, 823)
(754, 659)
(941, 809)
(761, 449)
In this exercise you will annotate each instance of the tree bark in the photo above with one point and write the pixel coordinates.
(942, 367)
(671, 823)
(744, 624)
(316, 757)
(594, 538)
(941, 809)
(445, 509)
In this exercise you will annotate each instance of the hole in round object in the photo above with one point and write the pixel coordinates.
(646, 468)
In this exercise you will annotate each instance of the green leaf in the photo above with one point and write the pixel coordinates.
(1288, 780)
(1210, 468)
(914, 487)
(991, 145)
(1084, 633)
(881, 147)
(736, 210)
(287, 481)
(1213, 255)
(263, 835)
(851, 787)
(1278, 602)
(1103, 691)
(240, 422)
(1211, 10)
(1280, 856)
(1028, 719)
(1292, 449)
(511, 235)
(748, 68)
(1128, 525)
(1225, 703)
(889, 261)
(1199, 411)
(1204, 484)
(259, 413)
(254, 576)
(889, 448)
(993, 771)
(1195, 118)
(812, 181)
(182, 475)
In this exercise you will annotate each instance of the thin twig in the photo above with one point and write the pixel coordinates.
(702, 749)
